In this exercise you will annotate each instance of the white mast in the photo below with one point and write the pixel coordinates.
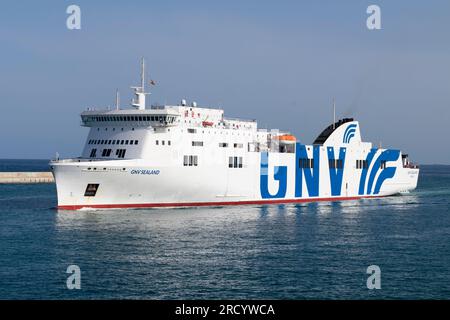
(143, 75)
(117, 99)
(139, 92)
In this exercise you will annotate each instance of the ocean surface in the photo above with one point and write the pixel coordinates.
(295, 251)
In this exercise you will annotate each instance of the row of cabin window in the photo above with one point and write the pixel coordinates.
(120, 153)
(336, 163)
(163, 142)
(106, 152)
(235, 162)
(168, 119)
(190, 161)
(221, 144)
(113, 142)
(306, 163)
(192, 130)
(363, 164)
(194, 143)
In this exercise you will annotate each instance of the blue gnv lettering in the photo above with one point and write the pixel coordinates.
(336, 171)
(362, 179)
(311, 174)
(280, 174)
(386, 173)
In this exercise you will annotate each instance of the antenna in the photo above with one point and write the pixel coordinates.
(117, 99)
(143, 74)
(139, 92)
(334, 114)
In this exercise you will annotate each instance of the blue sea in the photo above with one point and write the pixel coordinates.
(295, 251)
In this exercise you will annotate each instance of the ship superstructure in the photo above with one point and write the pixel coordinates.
(186, 155)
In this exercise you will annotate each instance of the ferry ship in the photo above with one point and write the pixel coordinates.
(187, 155)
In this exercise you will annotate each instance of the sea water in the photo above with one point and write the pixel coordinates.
(296, 251)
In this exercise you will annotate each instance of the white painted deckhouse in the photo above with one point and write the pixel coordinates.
(186, 155)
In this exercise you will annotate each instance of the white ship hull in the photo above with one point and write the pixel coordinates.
(121, 187)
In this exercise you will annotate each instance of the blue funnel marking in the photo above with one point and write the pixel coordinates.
(349, 133)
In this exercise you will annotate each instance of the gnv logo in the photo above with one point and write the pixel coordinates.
(349, 133)
(310, 172)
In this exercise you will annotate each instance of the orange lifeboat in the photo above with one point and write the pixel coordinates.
(286, 138)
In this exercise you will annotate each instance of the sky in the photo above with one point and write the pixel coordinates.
(280, 62)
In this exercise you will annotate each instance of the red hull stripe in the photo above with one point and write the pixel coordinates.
(207, 204)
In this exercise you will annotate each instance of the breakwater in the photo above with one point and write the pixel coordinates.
(26, 177)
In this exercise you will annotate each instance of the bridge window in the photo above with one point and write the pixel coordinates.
(238, 145)
(197, 143)
(135, 142)
(192, 130)
(93, 153)
(223, 144)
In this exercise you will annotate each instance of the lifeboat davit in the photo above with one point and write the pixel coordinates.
(286, 138)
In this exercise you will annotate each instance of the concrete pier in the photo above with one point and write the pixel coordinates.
(26, 177)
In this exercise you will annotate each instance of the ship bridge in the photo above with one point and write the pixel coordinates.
(148, 117)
